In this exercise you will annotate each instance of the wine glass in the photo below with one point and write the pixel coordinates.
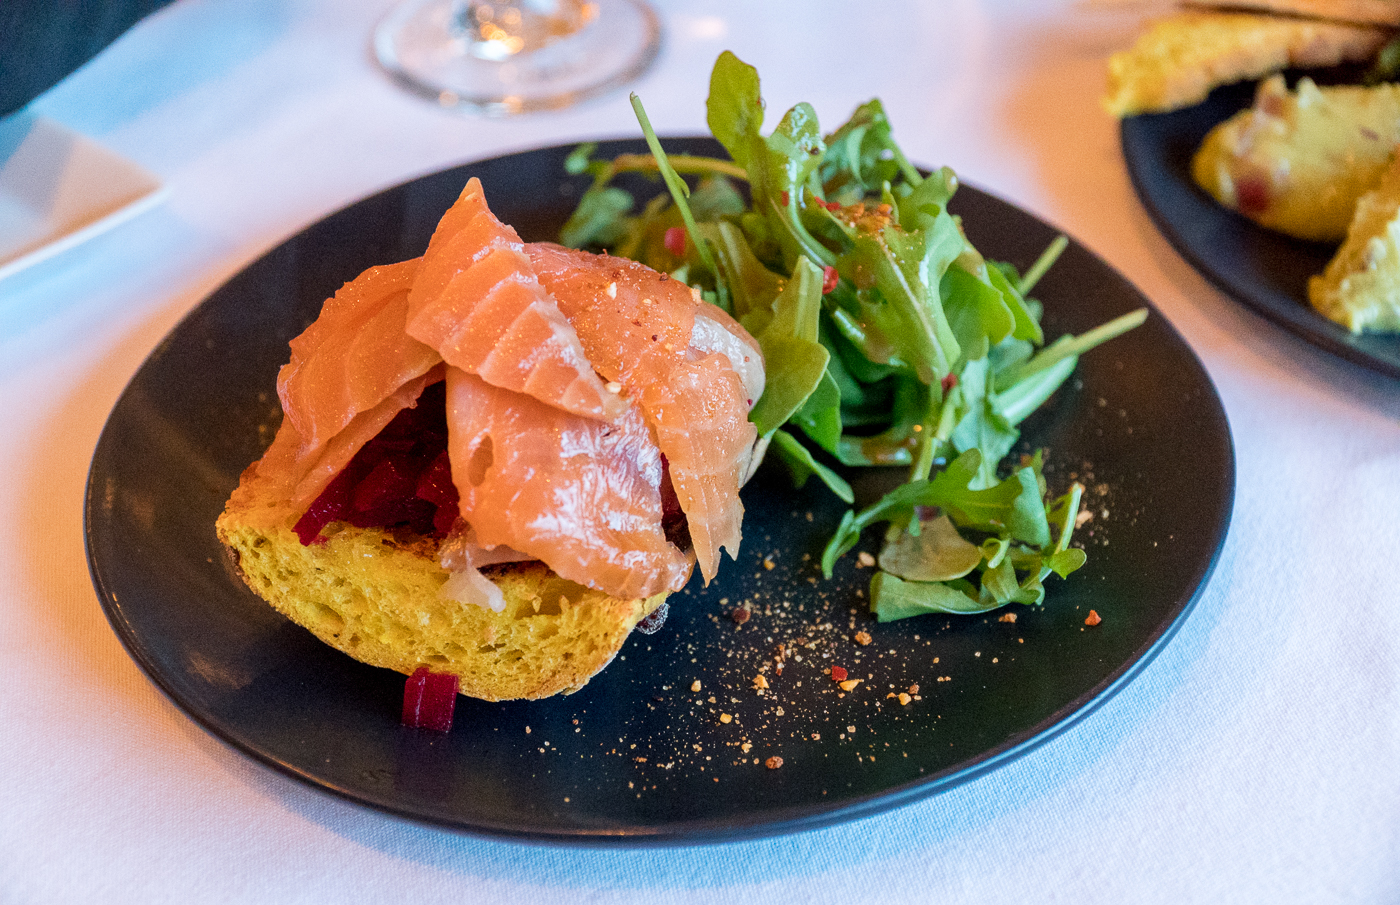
(500, 57)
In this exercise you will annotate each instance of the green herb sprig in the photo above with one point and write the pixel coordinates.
(888, 339)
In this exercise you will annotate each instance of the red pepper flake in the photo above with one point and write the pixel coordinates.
(429, 699)
(1093, 618)
(740, 615)
(838, 673)
(773, 762)
(675, 241)
(949, 382)
(829, 279)
(785, 199)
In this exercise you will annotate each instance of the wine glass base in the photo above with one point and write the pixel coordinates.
(423, 46)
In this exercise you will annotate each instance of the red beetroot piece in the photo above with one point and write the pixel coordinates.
(401, 477)
(429, 699)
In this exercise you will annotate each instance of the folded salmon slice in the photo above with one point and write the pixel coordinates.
(301, 471)
(350, 372)
(638, 327)
(354, 355)
(548, 461)
(582, 495)
(478, 303)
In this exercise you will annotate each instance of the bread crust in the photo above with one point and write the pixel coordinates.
(1182, 57)
(374, 594)
(1361, 12)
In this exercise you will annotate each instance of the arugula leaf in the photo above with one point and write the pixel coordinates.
(802, 465)
(937, 552)
(752, 286)
(734, 109)
(903, 320)
(888, 339)
(820, 415)
(598, 219)
(893, 598)
(679, 192)
(790, 342)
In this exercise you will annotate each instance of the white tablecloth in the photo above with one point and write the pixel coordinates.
(1253, 761)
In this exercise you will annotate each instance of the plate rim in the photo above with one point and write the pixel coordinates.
(706, 830)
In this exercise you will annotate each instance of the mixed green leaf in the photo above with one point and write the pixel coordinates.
(888, 340)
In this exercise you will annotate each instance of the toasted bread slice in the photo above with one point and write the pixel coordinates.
(1361, 12)
(376, 596)
(1182, 57)
(1360, 289)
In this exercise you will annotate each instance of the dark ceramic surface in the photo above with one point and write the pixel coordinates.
(1268, 271)
(636, 756)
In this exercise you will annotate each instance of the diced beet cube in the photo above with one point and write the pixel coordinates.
(402, 476)
(332, 505)
(444, 518)
(388, 481)
(436, 487)
(673, 521)
(429, 699)
(412, 512)
(435, 483)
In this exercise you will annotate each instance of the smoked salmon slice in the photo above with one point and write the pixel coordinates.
(638, 327)
(581, 390)
(582, 495)
(703, 429)
(350, 372)
(478, 302)
(353, 356)
(301, 472)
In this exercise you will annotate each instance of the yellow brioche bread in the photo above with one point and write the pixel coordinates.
(1360, 289)
(375, 595)
(1182, 57)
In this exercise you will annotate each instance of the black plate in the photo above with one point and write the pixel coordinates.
(1268, 271)
(637, 756)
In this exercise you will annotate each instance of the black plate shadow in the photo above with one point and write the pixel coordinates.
(636, 757)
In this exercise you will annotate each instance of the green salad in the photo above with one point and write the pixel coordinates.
(888, 340)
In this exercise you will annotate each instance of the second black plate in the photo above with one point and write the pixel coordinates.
(1267, 271)
(672, 742)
